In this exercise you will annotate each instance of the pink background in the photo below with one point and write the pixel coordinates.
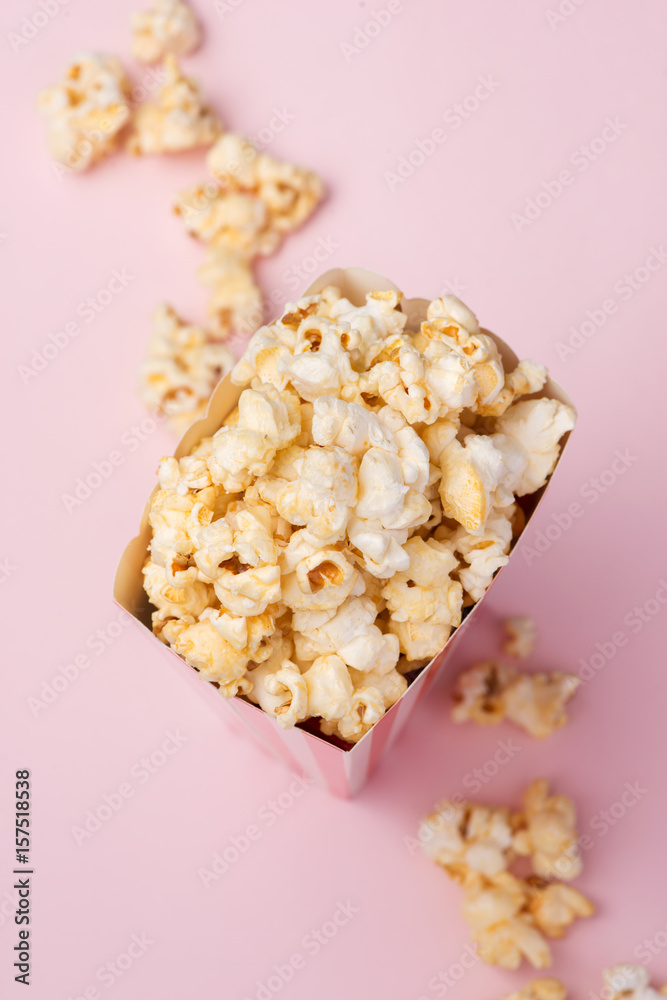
(449, 226)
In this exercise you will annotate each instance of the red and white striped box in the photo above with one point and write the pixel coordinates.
(341, 768)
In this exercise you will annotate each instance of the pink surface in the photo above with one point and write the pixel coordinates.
(551, 87)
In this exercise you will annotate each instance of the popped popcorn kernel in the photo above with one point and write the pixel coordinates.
(178, 119)
(550, 835)
(167, 26)
(521, 635)
(86, 110)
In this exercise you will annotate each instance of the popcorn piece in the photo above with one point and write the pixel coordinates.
(352, 634)
(322, 580)
(398, 376)
(182, 369)
(550, 833)
(425, 592)
(470, 477)
(485, 554)
(419, 640)
(366, 708)
(320, 365)
(178, 119)
(349, 426)
(540, 989)
(235, 305)
(268, 420)
(191, 599)
(489, 692)
(280, 690)
(521, 634)
(526, 378)
(554, 906)
(168, 26)
(630, 982)
(202, 646)
(86, 110)
(257, 200)
(329, 688)
(384, 494)
(322, 496)
(381, 548)
(462, 837)
(503, 932)
(537, 425)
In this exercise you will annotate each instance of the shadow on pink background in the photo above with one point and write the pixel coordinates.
(543, 207)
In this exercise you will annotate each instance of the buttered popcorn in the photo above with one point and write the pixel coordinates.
(86, 110)
(511, 917)
(178, 119)
(167, 26)
(322, 545)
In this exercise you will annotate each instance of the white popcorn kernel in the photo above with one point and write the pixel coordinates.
(281, 691)
(526, 378)
(470, 476)
(179, 601)
(349, 426)
(235, 304)
(554, 906)
(537, 425)
(86, 111)
(381, 548)
(419, 640)
(322, 580)
(366, 708)
(425, 592)
(323, 494)
(630, 982)
(550, 833)
(463, 836)
(437, 436)
(521, 635)
(501, 929)
(182, 369)
(329, 688)
(320, 365)
(484, 553)
(177, 120)
(204, 648)
(167, 26)
(247, 590)
(451, 309)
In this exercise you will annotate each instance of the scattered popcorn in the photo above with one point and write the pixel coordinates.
(510, 917)
(178, 119)
(550, 833)
(235, 305)
(521, 635)
(254, 202)
(86, 110)
(318, 550)
(489, 692)
(630, 982)
(183, 366)
(168, 26)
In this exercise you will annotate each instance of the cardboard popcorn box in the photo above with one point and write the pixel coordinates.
(342, 768)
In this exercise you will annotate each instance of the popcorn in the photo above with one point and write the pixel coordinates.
(537, 425)
(235, 305)
(178, 119)
(168, 26)
(554, 906)
(550, 833)
(630, 982)
(182, 368)
(521, 634)
(258, 199)
(509, 916)
(489, 692)
(86, 110)
(464, 838)
(331, 531)
(268, 420)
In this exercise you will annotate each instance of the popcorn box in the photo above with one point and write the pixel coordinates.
(340, 767)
